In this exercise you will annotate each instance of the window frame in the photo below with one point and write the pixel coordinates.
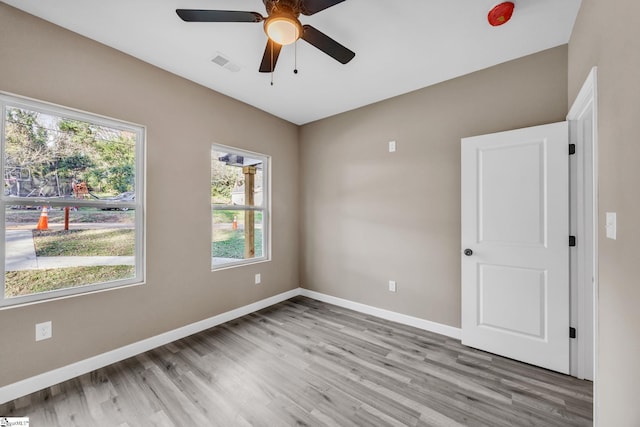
(8, 100)
(265, 209)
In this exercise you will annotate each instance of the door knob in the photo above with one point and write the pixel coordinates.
(468, 252)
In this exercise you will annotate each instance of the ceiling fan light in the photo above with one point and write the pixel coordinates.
(283, 29)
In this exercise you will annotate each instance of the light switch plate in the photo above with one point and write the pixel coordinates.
(392, 146)
(392, 286)
(611, 225)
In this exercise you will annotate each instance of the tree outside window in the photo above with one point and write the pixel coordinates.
(71, 205)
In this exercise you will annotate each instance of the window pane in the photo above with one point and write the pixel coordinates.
(98, 247)
(84, 168)
(229, 234)
(52, 156)
(230, 174)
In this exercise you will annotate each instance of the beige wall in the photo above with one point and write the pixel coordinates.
(43, 61)
(369, 216)
(607, 35)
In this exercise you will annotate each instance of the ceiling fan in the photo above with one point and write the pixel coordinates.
(281, 25)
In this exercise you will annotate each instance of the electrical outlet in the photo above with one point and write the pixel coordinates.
(43, 331)
(258, 278)
(392, 286)
(392, 146)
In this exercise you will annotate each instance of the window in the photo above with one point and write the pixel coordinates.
(239, 207)
(71, 209)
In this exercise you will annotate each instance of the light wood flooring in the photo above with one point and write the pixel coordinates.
(307, 363)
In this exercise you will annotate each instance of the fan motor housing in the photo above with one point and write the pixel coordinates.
(282, 7)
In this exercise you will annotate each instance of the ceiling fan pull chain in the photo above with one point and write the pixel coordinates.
(271, 43)
(295, 57)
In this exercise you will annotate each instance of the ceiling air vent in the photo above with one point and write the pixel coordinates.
(225, 63)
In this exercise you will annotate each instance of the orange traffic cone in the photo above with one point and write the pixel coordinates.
(43, 223)
(234, 224)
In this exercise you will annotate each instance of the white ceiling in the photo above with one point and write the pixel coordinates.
(400, 45)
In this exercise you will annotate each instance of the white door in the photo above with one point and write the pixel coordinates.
(515, 242)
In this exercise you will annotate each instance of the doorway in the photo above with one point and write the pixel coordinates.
(490, 321)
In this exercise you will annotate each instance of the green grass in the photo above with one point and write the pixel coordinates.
(27, 282)
(226, 217)
(82, 215)
(100, 242)
(221, 217)
(230, 244)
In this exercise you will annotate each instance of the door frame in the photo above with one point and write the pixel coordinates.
(584, 301)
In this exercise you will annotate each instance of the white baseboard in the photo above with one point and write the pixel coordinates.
(416, 322)
(56, 376)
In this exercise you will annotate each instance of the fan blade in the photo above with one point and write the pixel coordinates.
(309, 7)
(327, 44)
(270, 56)
(198, 15)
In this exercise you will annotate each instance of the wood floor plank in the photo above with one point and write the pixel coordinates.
(307, 363)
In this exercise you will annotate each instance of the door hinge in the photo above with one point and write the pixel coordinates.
(572, 149)
(572, 332)
(572, 241)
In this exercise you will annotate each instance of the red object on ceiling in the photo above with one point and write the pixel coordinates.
(501, 13)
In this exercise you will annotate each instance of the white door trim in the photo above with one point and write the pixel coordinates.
(584, 301)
